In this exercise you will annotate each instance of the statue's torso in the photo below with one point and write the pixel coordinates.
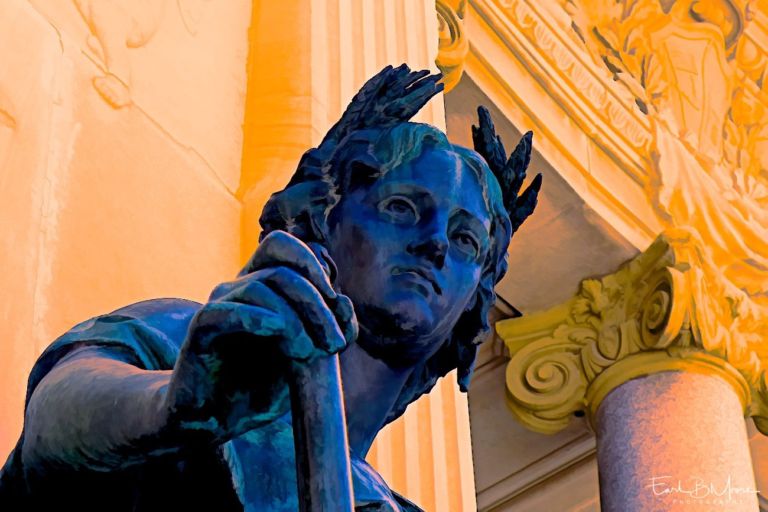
(255, 472)
(264, 473)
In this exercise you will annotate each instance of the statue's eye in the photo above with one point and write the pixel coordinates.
(467, 243)
(399, 209)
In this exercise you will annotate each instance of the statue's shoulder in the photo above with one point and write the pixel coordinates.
(168, 318)
(148, 333)
(153, 329)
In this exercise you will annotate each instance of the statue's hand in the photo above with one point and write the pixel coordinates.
(231, 375)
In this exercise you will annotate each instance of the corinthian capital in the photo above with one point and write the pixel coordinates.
(668, 309)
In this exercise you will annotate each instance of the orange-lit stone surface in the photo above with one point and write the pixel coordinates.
(182, 61)
(139, 140)
(102, 206)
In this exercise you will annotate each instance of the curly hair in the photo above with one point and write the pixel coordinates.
(318, 185)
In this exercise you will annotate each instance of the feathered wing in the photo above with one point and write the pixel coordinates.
(392, 96)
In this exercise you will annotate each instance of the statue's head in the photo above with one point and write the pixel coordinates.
(418, 229)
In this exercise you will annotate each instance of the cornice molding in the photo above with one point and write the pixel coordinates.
(584, 90)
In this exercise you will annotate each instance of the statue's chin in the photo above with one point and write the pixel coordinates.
(400, 338)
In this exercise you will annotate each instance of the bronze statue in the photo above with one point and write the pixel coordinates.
(384, 248)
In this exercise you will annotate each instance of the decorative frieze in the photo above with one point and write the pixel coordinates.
(578, 75)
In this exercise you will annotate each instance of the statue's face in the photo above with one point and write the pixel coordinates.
(409, 249)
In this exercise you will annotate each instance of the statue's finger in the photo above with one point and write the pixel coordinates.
(221, 290)
(217, 319)
(280, 248)
(317, 318)
(295, 342)
(345, 315)
(341, 306)
(322, 255)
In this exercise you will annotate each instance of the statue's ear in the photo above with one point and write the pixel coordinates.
(294, 209)
(510, 172)
(363, 170)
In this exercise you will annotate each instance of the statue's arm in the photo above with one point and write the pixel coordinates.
(96, 411)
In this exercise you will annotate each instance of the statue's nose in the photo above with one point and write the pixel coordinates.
(432, 247)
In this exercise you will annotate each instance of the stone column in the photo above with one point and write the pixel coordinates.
(681, 436)
(663, 373)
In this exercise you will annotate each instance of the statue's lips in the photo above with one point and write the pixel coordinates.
(422, 273)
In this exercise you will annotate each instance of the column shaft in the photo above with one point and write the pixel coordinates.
(674, 441)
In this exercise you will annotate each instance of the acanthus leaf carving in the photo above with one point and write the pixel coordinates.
(662, 308)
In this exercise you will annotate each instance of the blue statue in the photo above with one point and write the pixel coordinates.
(378, 260)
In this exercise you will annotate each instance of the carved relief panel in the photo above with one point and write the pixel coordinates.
(177, 61)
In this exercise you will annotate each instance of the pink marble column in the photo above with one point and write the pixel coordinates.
(674, 442)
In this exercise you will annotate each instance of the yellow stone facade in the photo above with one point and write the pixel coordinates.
(670, 95)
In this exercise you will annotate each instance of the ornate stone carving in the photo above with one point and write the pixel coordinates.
(700, 303)
(119, 25)
(661, 86)
(697, 69)
(670, 308)
(453, 45)
(565, 57)
(115, 27)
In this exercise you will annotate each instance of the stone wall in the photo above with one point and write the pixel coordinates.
(109, 202)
